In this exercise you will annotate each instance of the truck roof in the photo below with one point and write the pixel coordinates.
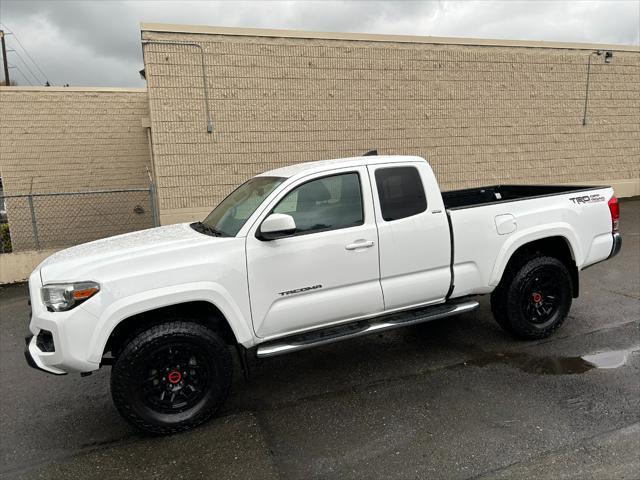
(318, 166)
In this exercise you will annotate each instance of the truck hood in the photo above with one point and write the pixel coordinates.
(75, 263)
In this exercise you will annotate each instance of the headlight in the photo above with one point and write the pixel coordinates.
(64, 296)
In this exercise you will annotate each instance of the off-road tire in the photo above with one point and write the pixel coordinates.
(131, 370)
(508, 300)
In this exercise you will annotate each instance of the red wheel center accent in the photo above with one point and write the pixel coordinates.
(174, 377)
(537, 297)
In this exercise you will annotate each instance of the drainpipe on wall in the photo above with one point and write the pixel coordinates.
(153, 192)
(608, 56)
(204, 72)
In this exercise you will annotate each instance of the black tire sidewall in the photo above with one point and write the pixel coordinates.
(126, 386)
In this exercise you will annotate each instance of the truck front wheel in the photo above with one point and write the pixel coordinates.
(533, 298)
(171, 377)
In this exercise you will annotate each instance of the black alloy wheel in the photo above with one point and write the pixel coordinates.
(175, 378)
(171, 377)
(533, 298)
(541, 296)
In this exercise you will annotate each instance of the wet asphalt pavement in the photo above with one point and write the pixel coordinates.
(455, 399)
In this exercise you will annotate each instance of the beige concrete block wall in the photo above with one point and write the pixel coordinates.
(481, 114)
(17, 266)
(56, 140)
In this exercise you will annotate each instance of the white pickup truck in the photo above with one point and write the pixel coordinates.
(303, 256)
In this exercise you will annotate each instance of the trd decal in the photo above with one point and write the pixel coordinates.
(299, 290)
(588, 199)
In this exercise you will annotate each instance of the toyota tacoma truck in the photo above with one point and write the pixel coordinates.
(302, 256)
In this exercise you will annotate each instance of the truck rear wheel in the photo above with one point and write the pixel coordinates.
(171, 377)
(533, 298)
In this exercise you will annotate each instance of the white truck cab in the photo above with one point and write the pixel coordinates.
(302, 256)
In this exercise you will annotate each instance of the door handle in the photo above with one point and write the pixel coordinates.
(360, 244)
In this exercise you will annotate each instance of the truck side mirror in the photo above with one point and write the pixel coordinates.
(277, 225)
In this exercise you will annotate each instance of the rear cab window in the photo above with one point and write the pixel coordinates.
(401, 192)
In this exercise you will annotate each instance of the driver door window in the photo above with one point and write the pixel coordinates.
(325, 204)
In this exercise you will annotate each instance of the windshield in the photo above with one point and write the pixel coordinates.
(231, 214)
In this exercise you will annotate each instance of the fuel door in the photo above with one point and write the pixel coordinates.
(506, 224)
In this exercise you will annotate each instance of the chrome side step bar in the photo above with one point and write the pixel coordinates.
(363, 327)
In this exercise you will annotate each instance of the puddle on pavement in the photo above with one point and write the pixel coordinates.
(558, 365)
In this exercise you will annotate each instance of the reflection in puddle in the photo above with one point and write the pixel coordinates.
(558, 365)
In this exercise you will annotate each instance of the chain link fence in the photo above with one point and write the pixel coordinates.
(57, 220)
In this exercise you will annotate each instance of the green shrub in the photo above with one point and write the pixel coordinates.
(5, 239)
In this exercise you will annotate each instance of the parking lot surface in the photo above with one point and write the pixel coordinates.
(454, 399)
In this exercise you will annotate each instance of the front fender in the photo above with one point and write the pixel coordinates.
(123, 308)
(532, 234)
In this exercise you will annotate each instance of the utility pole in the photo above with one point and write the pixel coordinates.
(4, 58)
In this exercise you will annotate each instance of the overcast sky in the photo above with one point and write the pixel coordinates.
(97, 43)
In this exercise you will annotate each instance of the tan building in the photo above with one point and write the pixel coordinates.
(61, 140)
(224, 104)
(481, 111)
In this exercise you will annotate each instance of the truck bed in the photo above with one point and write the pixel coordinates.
(473, 197)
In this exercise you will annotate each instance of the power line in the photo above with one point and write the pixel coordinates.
(21, 73)
(27, 66)
(26, 51)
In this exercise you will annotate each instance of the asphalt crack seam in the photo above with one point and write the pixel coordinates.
(269, 438)
(582, 443)
(86, 449)
(584, 334)
(633, 297)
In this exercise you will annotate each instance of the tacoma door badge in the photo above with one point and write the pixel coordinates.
(298, 290)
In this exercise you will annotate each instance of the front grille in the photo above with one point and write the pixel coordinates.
(44, 341)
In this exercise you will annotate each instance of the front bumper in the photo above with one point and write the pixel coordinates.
(617, 245)
(69, 336)
(34, 361)
(69, 353)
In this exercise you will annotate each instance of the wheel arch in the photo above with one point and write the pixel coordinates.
(207, 302)
(198, 311)
(557, 246)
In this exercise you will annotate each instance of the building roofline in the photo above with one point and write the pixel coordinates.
(25, 88)
(370, 37)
